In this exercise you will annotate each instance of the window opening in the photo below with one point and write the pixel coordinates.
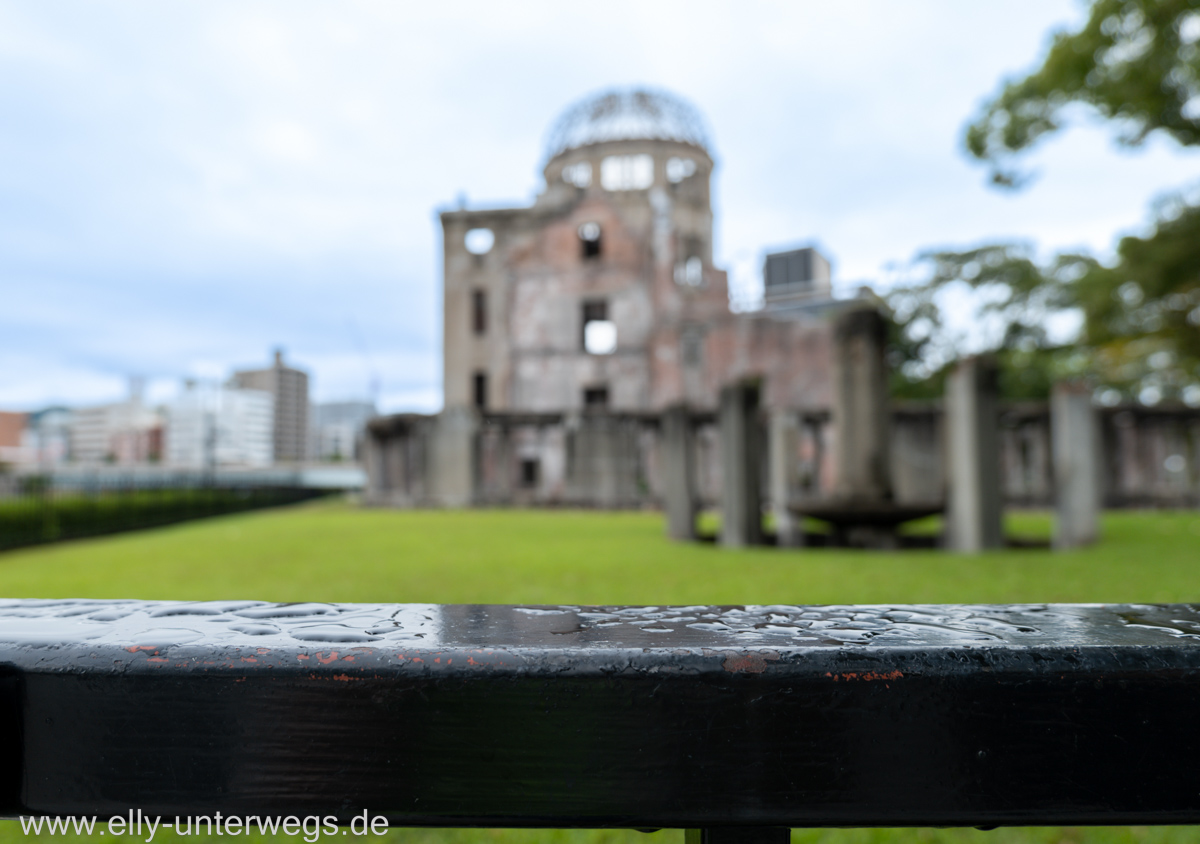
(679, 169)
(481, 390)
(530, 470)
(589, 240)
(579, 175)
(599, 332)
(479, 241)
(627, 172)
(479, 311)
(690, 273)
(595, 398)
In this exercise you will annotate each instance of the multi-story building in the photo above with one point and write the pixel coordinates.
(289, 387)
(210, 427)
(124, 433)
(12, 437)
(46, 442)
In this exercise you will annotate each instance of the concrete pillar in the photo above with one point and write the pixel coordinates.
(741, 505)
(679, 471)
(974, 508)
(783, 447)
(452, 467)
(861, 414)
(374, 460)
(1074, 438)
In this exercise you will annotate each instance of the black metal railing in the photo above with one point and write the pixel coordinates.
(735, 722)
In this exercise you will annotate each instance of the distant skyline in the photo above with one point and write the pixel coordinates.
(185, 187)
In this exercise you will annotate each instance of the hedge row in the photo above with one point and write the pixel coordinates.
(38, 518)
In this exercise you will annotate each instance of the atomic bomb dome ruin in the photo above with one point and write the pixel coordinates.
(603, 294)
(591, 358)
(581, 329)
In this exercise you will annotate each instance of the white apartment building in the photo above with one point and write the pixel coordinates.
(210, 426)
(124, 432)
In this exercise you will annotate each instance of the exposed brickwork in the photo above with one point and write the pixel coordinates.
(676, 337)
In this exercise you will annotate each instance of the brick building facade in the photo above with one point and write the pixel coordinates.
(603, 294)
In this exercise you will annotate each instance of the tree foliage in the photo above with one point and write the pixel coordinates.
(1014, 298)
(1136, 63)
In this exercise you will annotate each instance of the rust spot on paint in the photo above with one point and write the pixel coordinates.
(157, 659)
(327, 658)
(869, 675)
(135, 648)
(748, 663)
(301, 656)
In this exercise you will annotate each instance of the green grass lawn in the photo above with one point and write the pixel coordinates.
(331, 551)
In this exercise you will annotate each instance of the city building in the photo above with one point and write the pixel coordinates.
(289, 388)
(211, 427)
(46, 441)
(124, 433)
(12, 437)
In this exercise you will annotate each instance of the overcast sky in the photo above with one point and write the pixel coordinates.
(184, 186)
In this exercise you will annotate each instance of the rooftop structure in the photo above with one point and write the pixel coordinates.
(625, 115)
(797, 283)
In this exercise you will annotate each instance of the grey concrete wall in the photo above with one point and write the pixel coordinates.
(1150, 458)
(918, 454)
(396, 457)
(604, 462)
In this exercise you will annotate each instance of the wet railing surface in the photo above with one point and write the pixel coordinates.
(695, 717)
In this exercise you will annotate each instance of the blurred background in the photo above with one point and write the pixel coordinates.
(186, 188)
(918, 278)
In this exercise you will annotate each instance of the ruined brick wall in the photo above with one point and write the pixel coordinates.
(653, 278)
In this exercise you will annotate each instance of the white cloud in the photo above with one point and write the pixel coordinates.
(192, 182)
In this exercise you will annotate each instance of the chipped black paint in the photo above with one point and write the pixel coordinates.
(603, 716)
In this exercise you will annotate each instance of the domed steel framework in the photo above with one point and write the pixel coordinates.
(619, 115)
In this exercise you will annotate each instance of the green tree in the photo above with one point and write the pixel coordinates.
(1136, 63)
